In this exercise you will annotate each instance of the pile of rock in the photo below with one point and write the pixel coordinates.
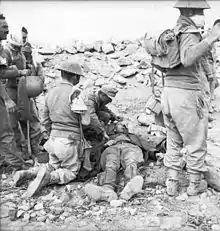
(120, 63)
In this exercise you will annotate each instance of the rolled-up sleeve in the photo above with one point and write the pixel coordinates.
(46, 122)
(191, 49)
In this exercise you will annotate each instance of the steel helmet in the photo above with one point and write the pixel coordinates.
(34, 85)
(71, 67)
(192, 4)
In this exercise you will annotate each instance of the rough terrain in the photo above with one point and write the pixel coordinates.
(67, 208)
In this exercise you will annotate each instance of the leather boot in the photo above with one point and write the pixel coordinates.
(21, 176)
(172, 182)
(100, 193)
(44, 177)
(197, 184)
(133, 187)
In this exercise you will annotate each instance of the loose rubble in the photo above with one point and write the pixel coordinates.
(125, 65)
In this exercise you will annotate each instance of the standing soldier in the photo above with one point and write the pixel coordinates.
(14, 55)
(7, 142)
(26, 46)
(185, 100)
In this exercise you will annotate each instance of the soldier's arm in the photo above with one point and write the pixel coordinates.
(191, 49)
(9, 73)
(94, 122)
(46, 122)
(208, 66)
(106, 109)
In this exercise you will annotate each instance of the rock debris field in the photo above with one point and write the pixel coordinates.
(125, 65)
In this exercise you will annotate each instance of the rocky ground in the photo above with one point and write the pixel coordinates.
(123, 64)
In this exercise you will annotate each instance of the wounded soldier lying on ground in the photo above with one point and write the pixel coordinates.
(126, 150)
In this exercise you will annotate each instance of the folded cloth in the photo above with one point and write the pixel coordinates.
(76, 101)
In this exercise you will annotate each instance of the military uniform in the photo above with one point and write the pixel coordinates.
(122, 152)
(64, 143)
(185, 103)
(18, 59)
(7, 142)
(100, 114)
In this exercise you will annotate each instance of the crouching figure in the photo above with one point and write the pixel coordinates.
(63, 126)
(121, 151)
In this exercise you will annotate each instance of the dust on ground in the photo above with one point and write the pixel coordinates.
(66, 208)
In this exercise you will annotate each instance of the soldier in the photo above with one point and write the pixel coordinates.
(185, 100)
(15, 57)
(121, 151)
(26, 47)
(7, 142)
(99, 112)
(63, 127)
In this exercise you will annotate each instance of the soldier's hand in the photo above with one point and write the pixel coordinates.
(119, 118)
(105, 136)
(110, 143)
(10, 105)
(24, 72)
(215, 32)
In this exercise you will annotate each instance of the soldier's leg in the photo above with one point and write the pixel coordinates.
(35, 129)
(7, 141)
(110, 163)
(63, 166)
(173, 159)
(131, 157)
(190, 114)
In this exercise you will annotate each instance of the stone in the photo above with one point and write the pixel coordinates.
(97, 46)
(171, 223)
(145, 120)
(215, 227)
(71, 50)
(26, 217)
(131, 48)
(89, 47)
(116, 203)
(133, 211)
(124, 62)
(58, 210)
(115, 55)
(99, 82)
(138, 56)
(143, 65)
(120, 47)
(152, 221)
(12, 213)
(106, 71)
(39, 206)
(212, 177)
(107, 48)
(119, 79)
(182, 197)
(42, 218)
(128, 72)
(51, 217)
(140, 78)
(20, 213)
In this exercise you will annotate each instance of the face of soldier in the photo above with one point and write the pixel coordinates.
(24, 37)
(104, 98)
(75, 79)
(121, 128)
(199, 20)
(3, 29)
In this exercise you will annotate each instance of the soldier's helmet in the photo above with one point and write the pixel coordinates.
(109, 91)
(71, 67)
(192, 4)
